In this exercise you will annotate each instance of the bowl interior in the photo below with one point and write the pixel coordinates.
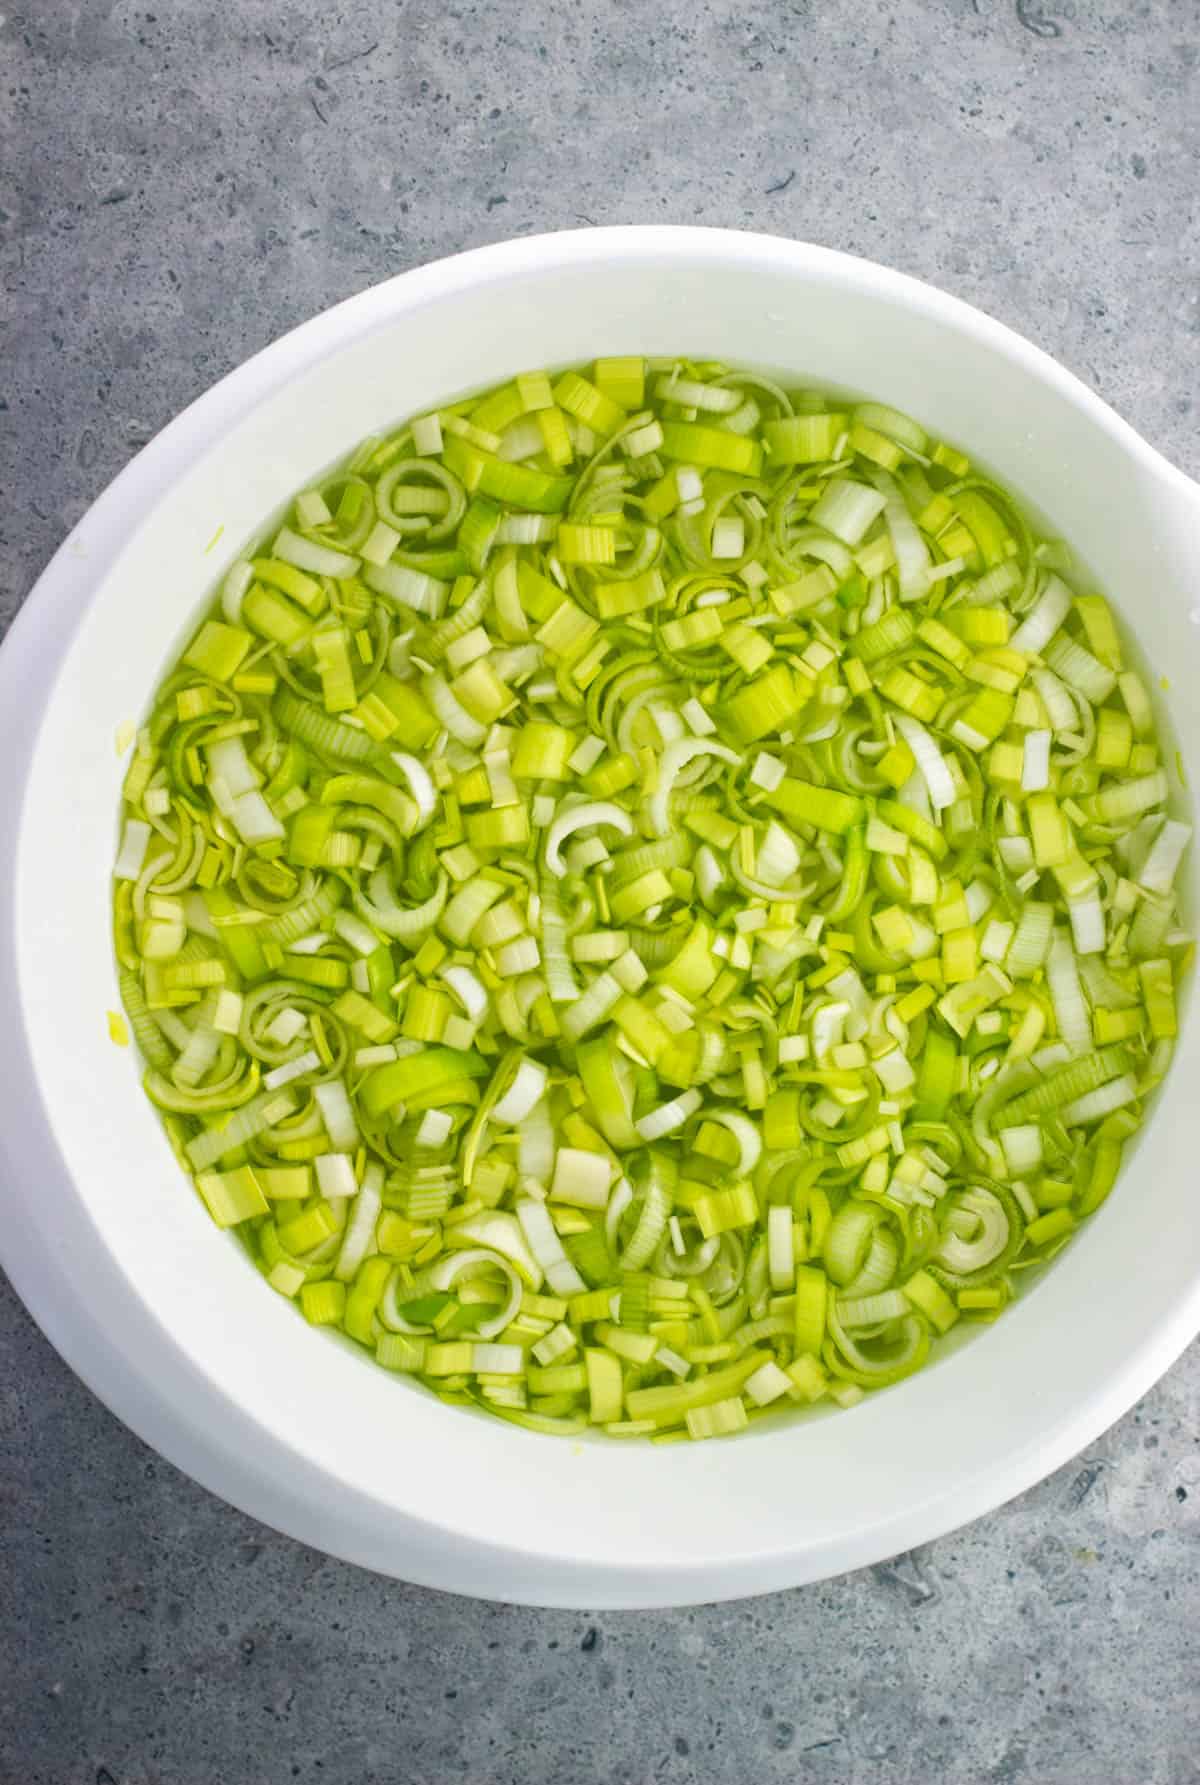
(800, 1499)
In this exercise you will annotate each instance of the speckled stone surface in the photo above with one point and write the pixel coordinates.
(180, 182)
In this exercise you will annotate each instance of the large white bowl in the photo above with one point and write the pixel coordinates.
(164, 1317)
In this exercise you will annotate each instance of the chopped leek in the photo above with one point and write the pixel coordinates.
(649, 899)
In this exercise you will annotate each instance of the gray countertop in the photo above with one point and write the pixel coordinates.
(179, 183)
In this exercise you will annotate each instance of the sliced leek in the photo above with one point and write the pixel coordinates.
(648, 900)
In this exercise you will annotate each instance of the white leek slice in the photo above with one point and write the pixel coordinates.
(675, 759)
(305, 554)
(935, 770)
(359, 1236)
(584, 817)
(528, 1085)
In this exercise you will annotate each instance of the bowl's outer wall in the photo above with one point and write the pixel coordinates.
(164, 1316)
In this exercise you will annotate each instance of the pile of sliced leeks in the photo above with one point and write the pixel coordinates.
(650, 898)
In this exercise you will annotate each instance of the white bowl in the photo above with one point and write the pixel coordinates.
(163, 1315)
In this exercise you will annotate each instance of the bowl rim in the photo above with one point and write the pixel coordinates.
(36, 644)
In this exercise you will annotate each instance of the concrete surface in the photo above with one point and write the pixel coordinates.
(179, 182)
